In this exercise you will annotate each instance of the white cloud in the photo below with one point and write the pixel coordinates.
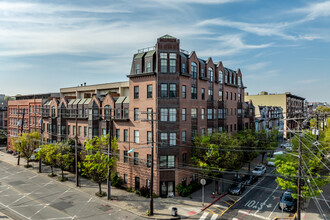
(315, 10)
(229, 45)
(256, 66)
(268, 29)
(308, 81)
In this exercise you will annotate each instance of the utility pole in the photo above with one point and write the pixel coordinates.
(152, 165)
(19, 153)
(41, 135)
(76, 148)
(317, 126)
(299, 179)
(109, 150)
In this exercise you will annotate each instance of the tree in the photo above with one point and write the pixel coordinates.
(48, 154)
(96, 163)
(26, 145)
(287, 166)
(247, 138)
(8, 98)
(267, 141)
(64, 159)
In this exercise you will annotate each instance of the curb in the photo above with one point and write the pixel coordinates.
(214, 201)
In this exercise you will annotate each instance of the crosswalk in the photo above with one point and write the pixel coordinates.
(219, 208)
(205, 215)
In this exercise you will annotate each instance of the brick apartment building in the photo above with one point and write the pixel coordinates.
(188, 95)
(26, 111)
(268, 118)
(292, 105)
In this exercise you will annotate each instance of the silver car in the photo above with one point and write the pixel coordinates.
(259, 170)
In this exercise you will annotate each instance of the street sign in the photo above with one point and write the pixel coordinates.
(203, 182)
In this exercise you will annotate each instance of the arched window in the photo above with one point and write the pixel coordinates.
(194, 70)
(210, 74)
(220, 76)
(107, 111)
(53, 111)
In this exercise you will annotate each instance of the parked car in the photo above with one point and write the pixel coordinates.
(287, 203)
(259, 170)
(271, 161)
(250, 179)
(237, 188)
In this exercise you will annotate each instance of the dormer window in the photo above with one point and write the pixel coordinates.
(239, 82)
(183, 67)
(202, 72)
(148, 67)
(226, 77)
(137, 69)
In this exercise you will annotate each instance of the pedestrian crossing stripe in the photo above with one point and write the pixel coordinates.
(205, 214)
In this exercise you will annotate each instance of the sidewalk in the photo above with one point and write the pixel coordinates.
(122, 199)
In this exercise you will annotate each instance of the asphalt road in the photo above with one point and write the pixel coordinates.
(27, 195)
(259, 201)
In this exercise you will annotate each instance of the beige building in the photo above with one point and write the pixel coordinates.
(87, 91)
(292, 105)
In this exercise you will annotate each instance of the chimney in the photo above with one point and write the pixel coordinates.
(84, 84)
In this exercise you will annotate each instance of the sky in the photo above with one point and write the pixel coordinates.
(280, 46)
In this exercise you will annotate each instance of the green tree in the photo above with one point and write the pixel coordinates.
(26, 145)
(248, 140)
(287, 166)
(96, 163)
(48, 154)
(64, 159)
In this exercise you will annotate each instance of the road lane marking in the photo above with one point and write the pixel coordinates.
(203, 217)
(227, 202)
(273, 209)
(214, 217)
(264, 203)
(254, 215)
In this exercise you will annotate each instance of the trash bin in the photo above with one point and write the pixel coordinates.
(174, 211)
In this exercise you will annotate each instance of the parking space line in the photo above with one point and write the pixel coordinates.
(219, 209)
(273, 209)
(221, 206)
(227, 202)
(231, 199)
(210, 211)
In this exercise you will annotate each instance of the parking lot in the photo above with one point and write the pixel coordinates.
(27, 195)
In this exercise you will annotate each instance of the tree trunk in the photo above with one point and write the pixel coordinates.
(262, 159)
(52, 170)
(249, 166)
(27, 162)
(62, 174)
(100, 191)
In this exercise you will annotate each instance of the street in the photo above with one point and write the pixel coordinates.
(259, 201)
(27, 195)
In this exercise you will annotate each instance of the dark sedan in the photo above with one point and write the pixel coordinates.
(250, 179)
(287, 203)
(237, 188)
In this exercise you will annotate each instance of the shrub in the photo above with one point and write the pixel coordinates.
(145, 192)
(187, 190)
(117, 181)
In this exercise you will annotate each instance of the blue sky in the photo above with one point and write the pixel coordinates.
(279, 45)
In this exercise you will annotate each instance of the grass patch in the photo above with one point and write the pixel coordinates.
(101, 195)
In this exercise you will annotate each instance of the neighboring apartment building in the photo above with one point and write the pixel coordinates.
(292, 105)
(268, 118)
(25, 111)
